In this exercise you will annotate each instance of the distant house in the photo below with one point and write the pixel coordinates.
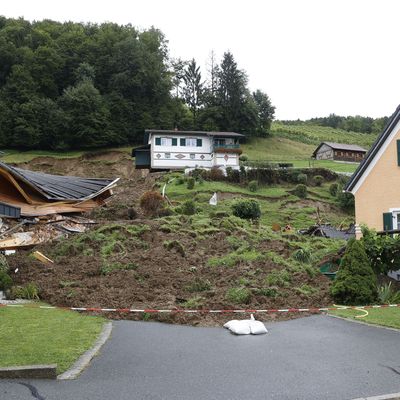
(173, 149)
(339, 152)
(376, 182)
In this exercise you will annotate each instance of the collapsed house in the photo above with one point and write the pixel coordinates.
(32, 194)
(40, 201)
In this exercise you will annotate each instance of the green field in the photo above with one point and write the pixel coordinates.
(45, 336)
(389, 317)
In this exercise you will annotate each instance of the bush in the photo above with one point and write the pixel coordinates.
(355, 282)
(302, 178)
(188, 207)
(131, 213)
(5, 281)
(244, 157)
(190, 183)
(29, 292)
(318, 180)
(199, 285)
(278, 278)
(345, 201)
(239, 295)
(216, 174)
(246, 209)
(300, 191)
(180, 180)
(232, 175)
(152, 203)
(333, 189)
(253, 186)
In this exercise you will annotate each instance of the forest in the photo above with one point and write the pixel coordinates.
(73, 85)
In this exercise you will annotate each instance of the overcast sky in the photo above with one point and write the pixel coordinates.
(312, 57)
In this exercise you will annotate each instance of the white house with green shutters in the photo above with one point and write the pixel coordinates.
(173, 149)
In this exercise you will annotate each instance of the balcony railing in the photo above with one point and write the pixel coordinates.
(226, 146)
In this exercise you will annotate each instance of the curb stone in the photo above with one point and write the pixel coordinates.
(29, 372)
(84, 360)
(393, 396)
(368, 324)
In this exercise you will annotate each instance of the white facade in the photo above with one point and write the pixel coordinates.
(325, 152)
(177, 151)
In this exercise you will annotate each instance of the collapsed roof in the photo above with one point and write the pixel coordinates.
(36, 193)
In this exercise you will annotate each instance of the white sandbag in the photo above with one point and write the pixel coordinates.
(246, 326)
(240, 327)
(214, 200)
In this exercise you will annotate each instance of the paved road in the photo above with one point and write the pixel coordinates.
(317, 357)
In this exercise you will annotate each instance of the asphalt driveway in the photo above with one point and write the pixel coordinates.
(317, 357)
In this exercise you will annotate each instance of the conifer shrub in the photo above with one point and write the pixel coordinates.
(190, 183)
(300, 191)
(216, 174)
(244, 157)
(152, 203)
(246, 209)
(355, 283)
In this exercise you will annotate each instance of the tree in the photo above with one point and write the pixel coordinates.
(193, 89)
(265, 112)
(355, 282)
(86, 116)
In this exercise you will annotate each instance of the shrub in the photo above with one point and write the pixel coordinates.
(5, 280)
(216, 174)
(152, 203)
(246, 209)
(333, 189)
(253, 186)
(268, 292)
(318, 180)
(244, 157)
(300, 191)
(345, 201)
(239, 295)
(302, 178)
(188, 207)
(355, 282)
(131, 213)
(190, 183)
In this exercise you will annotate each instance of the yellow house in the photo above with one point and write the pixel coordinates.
(376, 182)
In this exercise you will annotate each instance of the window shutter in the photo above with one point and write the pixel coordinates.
(183, 142)
(174, 142)
(398, 153)
(387, 221)
(158, 141)
(199, 142)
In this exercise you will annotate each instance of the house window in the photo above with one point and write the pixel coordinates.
(191, 142)
(192, 156)
(166, 141)
(167, 155)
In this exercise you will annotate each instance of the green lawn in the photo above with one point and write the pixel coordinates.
(45, 336)
(378, 316)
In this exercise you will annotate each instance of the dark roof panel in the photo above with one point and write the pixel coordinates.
(345, 146)
(393, 120)
(203, 133)
(58, 187)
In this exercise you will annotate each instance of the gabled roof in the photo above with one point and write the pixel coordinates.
(202, 133)
(372, 153)
(341, 146)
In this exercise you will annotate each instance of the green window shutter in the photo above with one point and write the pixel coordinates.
(158, 141)
(398, 153)
(199, 142)
(183, 142)
(387, 221)
(174, 142)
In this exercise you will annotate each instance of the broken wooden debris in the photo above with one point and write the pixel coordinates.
(41, 257)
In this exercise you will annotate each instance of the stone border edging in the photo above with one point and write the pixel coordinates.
(364, 323)
(84, 360)
(393, 396)
(29, 372)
